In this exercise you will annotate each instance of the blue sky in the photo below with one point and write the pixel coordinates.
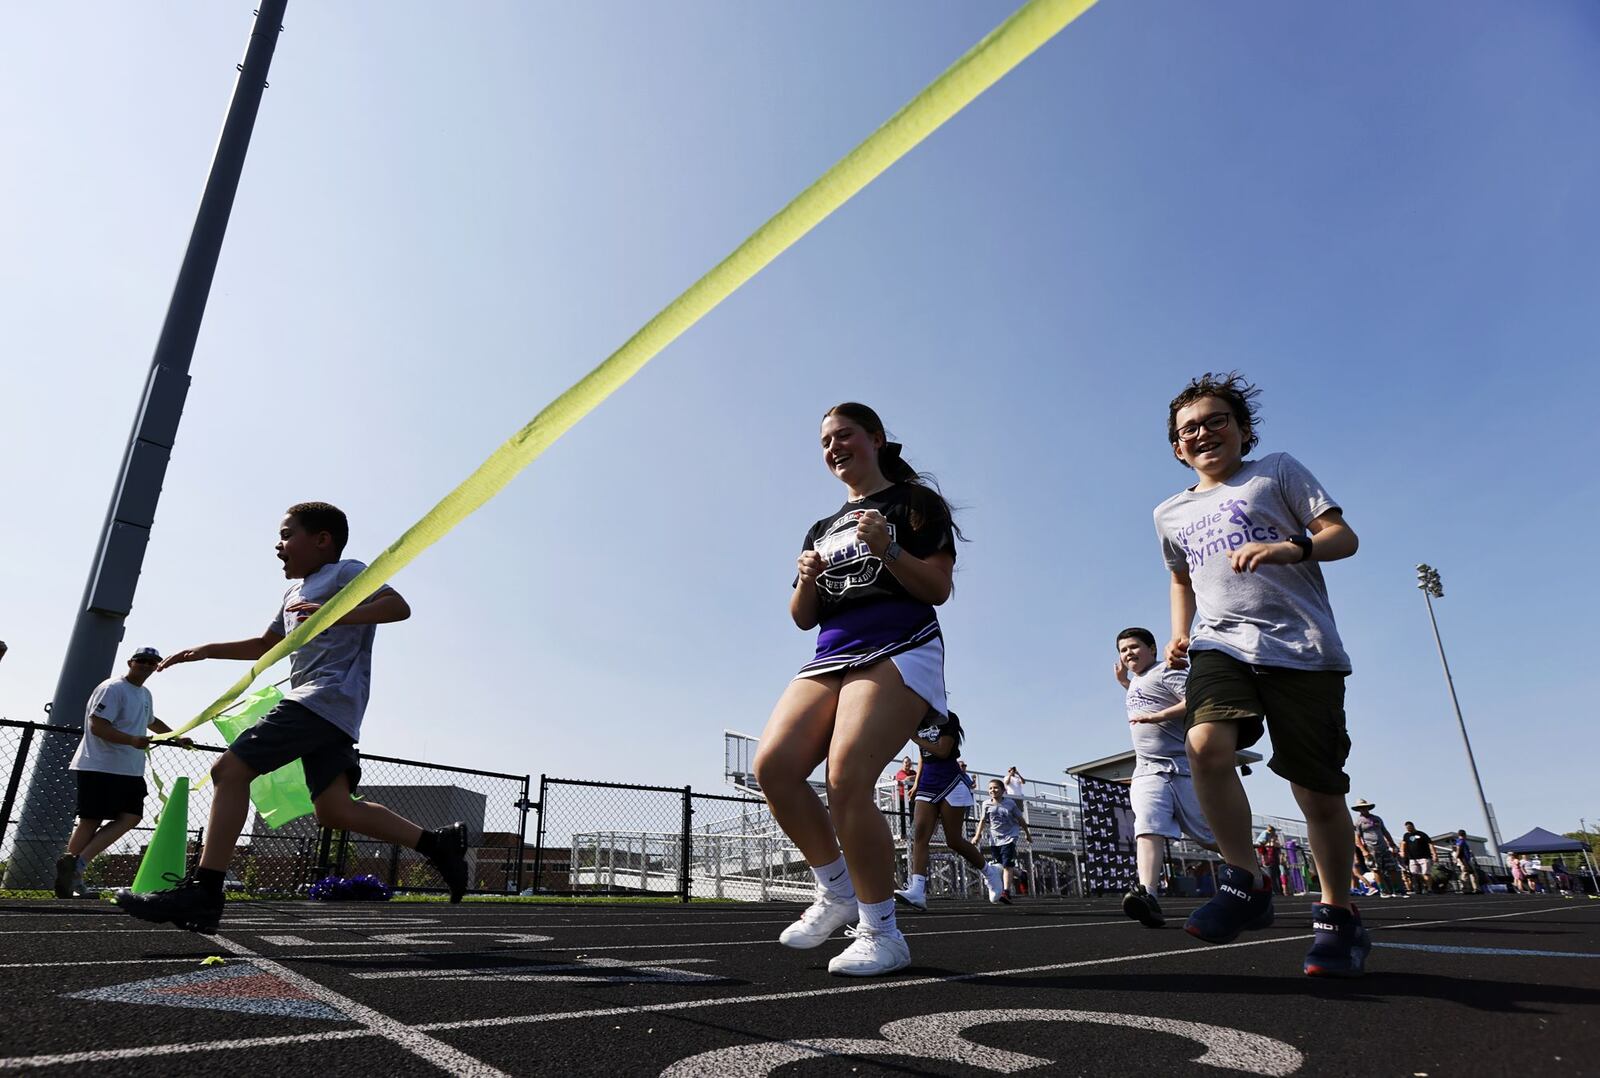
(1382, 213)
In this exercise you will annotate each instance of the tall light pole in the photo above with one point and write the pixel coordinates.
(92, 652)
(1428, 582)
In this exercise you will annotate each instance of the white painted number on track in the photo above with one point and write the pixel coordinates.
(939, 1036)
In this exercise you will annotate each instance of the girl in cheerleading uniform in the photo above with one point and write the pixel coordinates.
(870, 574)
(943, 796)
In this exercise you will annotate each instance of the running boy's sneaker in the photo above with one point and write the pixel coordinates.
(1340, 942)
(873, 952)
(821, 919)
(449, 856)
(1237, 907)
(1142, 906)
(66, 869)
(915, 897)
(188, 906)
(994, 881)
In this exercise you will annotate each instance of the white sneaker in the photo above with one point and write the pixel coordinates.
(994, 881)
(821, 919)
(914, 897)
(872, 953)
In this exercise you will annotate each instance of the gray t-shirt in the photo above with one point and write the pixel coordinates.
(1004, 819)
(331, 676)
(1278, 615)
(126, 706)
(1158, 745)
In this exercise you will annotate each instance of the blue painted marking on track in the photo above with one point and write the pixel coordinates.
(1493, 952)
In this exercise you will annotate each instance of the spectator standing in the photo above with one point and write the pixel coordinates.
(1517, 877)
(1466, 865)
(1417, 850)
(1270, 851)
(1372, 834)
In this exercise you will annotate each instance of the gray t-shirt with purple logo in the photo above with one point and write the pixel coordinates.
(1278, 615)
(1159, 746)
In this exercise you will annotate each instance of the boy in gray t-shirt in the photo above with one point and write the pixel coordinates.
(1251, 619)
(1162, 793)
(317, 723)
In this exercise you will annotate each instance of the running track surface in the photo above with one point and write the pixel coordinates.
(1459, 985)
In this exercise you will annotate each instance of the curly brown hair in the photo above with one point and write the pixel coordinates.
(1232, 390)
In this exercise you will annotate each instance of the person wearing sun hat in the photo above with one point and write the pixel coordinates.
(109, 767)
(1382, 851)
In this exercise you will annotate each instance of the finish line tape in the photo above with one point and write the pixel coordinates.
(980, 68)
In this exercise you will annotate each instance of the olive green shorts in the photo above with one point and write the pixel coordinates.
(1303, 710)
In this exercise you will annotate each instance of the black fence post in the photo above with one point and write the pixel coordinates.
(538, 838)
(522, 834)
(16, 779)
(344, 849)
(325, 850)
(394, 865)
(688, 843)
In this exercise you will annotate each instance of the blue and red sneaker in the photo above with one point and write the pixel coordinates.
(1340, 943)
(1238, 906)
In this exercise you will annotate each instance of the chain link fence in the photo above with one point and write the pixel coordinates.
(284, 860)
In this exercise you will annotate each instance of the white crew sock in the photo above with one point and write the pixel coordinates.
(835, 878)
(878, 916)
(918, 884)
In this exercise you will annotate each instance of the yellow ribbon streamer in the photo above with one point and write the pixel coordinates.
(981, 67)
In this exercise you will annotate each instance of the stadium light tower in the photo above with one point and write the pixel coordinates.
(1432, 588)
(92, 652)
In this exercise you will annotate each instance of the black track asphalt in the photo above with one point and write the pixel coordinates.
(1459, 985)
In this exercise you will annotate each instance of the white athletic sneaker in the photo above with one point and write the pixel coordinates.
(915, 897)
(994, 881)
(821, 919)
(872, 953)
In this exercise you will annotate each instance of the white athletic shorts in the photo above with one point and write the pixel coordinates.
(922, 669)
(958, 795)
(1165, 805)
(1421, 866)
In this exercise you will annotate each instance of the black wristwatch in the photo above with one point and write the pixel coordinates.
(892, 551)
(1304, 546)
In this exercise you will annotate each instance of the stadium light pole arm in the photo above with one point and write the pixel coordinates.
(1432, 588)
(47, 811)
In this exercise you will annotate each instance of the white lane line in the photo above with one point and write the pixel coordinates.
(447, 1058)
(109, 1055)
(643, 945)
(878, 986)
(112, 1055)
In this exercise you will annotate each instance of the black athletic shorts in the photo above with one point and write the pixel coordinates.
(1302, 709)
(1004, 854)
(292, 732)
(104, 796)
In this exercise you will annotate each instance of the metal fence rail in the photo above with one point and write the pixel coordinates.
(287, 859)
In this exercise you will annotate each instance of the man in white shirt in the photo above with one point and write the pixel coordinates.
(109, 766)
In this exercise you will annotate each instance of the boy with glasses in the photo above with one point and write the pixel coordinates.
(109, 768)
(1265, 655)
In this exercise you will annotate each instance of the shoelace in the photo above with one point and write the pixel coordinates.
(860, 931)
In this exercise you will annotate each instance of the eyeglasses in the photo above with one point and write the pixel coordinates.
(1214, 422)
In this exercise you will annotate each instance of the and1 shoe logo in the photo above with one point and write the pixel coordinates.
(1229, 889)
(1218, 533)
(850, 562)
